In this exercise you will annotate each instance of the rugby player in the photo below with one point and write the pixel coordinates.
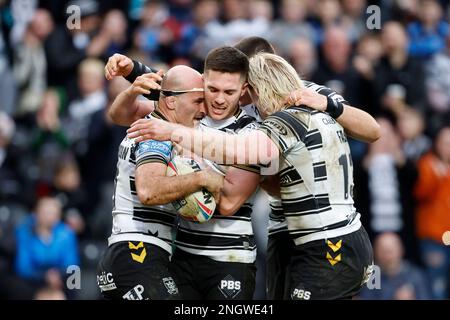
(277, 230)
(332, 255)
(136, 263)
(216, 259)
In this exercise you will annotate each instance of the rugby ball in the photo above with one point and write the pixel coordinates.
(198, 206)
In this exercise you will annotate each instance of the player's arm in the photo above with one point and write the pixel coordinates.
(254, 147)
(126, 108)
(356, 122)
(155, 188)
(119, 65)
(238, 186)
(359, 124)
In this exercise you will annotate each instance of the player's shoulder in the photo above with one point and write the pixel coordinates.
(291, 122)
(294, 116)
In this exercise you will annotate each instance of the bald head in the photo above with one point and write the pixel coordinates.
(181, 78)
(182, 96)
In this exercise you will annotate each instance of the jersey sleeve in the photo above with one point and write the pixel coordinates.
(284, 129)
(325, 91)
(151, 151)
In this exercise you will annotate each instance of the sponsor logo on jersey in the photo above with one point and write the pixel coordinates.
(301, 294)
(170, 285)
(230, 287)
(282, 130)
(150, 146)
(135, 293)
(105, 281)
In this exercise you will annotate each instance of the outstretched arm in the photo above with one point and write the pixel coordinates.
(254, 147)
(357, 123)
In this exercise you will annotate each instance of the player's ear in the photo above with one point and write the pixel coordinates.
(170, 102)
(244, 88)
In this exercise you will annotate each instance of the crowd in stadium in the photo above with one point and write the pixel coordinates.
(58, 147)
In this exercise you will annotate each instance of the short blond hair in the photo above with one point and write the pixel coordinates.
(273, 79)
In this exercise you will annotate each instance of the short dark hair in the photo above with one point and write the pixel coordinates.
(250, 46)
(227, 59)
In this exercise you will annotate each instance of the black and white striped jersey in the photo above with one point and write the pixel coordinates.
(277, 222)
(316, 174)
(133, 221)
(227, 239)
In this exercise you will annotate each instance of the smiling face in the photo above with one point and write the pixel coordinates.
(222, 93)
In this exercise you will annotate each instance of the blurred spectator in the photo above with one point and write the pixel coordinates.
(7, 127)
(368, 54)
(399, 80)
(433, 206)
(57, 9)
(427, 36)
(354, 18)
(11, 286)
(10, 180)
(67, 47)
(261, 14)
(67, 189)
(411, 126)
(234, 10)
(403, 11)
(327, 14)
(336, 71)
(193, 35)
(115, 24)
(22, 12)
(103, 140)
(384, 188)
(45, 246)
(91, 84)
(47, 117)
(180, 14)
(135, 8)
(290, 26)
(151, 36)
(238, 23)
(400, 280)
(438, 87)
(30, 64)
(49, 293)
(303, 57)
(7, 84)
